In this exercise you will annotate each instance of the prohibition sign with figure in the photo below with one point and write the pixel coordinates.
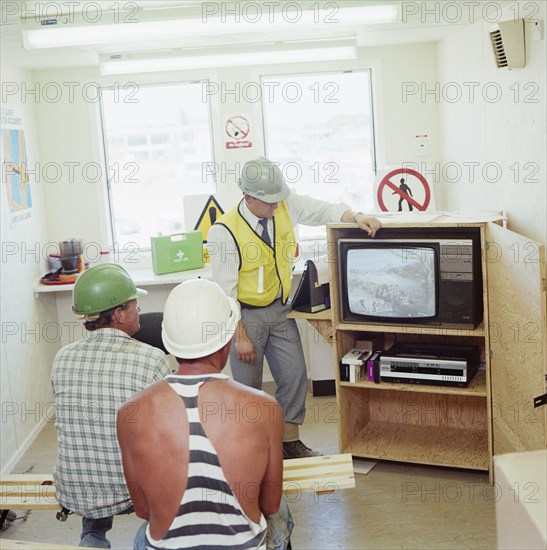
(405, 190)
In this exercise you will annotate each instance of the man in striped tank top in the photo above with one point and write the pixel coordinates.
(202, 454)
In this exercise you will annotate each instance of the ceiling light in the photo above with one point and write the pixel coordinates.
(108, 26)
(253, 54)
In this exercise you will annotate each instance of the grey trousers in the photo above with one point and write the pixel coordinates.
(278, 339)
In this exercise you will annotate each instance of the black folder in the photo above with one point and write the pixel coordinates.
(310, 296)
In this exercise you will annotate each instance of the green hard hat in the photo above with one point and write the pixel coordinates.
(103, 287)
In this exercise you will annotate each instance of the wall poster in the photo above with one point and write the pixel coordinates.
(15, 178)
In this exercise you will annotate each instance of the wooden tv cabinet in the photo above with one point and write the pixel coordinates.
(453, 426)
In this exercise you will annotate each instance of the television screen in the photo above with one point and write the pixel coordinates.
(391, 281)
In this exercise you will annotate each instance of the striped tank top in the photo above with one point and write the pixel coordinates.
(209, 516)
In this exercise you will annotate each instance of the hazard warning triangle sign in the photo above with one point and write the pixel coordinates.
(209, 215)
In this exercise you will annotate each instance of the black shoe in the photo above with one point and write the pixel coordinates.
(297, 449)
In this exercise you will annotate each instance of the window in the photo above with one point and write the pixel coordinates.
(319, 127)
(155, 146)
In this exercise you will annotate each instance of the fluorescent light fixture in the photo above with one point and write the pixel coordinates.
(110, 27)
(251, 54)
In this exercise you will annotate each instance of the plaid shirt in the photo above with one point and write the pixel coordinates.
(91, 379)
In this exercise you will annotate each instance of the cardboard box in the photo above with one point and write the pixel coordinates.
(521, 502)
(179, 252)
(352, 365)
(356, 373)
(356, 356)
(371, 341)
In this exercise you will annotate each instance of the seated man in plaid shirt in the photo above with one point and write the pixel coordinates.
(90, 379)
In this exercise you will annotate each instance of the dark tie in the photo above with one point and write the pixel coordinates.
(265, 237)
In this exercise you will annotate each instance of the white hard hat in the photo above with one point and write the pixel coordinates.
(262, 179)
(198, 319)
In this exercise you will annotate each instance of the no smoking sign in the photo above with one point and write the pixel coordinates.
(238, 129)
(403, 190)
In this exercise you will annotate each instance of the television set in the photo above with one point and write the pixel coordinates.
(414, 280)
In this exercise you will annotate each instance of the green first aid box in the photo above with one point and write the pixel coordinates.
(179, 252)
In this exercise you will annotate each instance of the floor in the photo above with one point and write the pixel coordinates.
(394, 506)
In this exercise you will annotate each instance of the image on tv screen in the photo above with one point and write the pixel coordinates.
(392, 282)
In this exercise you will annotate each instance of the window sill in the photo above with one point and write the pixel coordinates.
(141, 277)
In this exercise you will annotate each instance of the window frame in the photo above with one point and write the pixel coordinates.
(309, 246)
(324, 73)
(143, 260)
(145, 251)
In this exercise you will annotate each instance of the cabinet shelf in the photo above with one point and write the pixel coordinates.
(440, 446)
(325, 315)
(429, 330)
(477, 387)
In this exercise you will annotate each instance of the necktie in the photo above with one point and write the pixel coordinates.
(265, 237)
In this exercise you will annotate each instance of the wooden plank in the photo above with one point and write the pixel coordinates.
(317, 474)
(517, 310)
(422, 329)
(321, 474)
(442, 223)
(8, 544)
(486, 351)
(333, 274)
(27, 479)
(477, 387)
(27, 491)
(325, 315)
(28, 503)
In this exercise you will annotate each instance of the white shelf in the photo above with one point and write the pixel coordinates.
(141, 277)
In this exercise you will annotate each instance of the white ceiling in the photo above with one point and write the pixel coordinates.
(418, 26)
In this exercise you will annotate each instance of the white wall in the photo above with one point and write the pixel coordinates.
(501, 127)
(30, 334)
(69, 131)
(67, 116)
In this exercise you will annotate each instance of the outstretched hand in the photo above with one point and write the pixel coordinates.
(367, 223)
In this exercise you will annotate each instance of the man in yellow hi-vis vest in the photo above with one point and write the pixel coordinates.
(252, 248)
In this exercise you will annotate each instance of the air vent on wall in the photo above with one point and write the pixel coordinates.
(508, 44)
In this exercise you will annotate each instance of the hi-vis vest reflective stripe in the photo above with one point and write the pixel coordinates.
(262, 268)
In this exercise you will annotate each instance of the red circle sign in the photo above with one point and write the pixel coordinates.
(386, 183)
(237, 127)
